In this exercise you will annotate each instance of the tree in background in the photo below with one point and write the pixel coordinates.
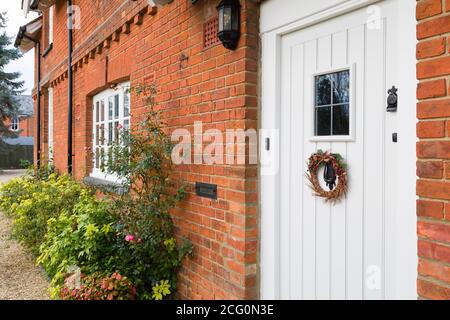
(10, 87)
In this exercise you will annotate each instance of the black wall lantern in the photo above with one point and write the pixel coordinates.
(229, 23)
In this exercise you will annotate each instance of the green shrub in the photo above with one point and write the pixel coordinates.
(142, 158)
(83, 237)
(147, 247)
(25, 163)
(32, 202)
(125, 245)
(14, 192)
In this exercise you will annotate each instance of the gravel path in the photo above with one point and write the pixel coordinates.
(20, 279)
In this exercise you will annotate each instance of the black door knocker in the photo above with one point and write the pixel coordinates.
(392, 100)
(329, 175)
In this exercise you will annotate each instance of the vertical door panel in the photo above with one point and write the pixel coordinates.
(323, 209)
(391, 156)
(355, 161)
(338, 211)
(309, 202)
(374, 163)
(285, 167)
(296, 173)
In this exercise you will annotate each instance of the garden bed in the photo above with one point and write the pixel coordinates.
(118, 246)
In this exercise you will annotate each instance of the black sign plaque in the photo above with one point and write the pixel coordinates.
(206, 190)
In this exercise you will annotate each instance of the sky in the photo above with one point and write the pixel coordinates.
(16, 18)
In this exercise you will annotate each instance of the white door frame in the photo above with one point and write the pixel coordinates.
(404, 281)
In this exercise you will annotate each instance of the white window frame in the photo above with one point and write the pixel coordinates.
(50, 125)
(122, 91)
(351, 68)
(51, 13)
(15, 124)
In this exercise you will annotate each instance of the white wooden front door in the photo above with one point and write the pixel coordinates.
(332, 79)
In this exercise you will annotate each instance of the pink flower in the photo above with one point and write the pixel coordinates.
(129, 238)
(118, 276)
(119, 126)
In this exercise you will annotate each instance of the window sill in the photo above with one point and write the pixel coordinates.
(336, 138)
(47, 50)
(106, 185)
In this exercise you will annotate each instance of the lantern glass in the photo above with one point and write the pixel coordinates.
(221, 19)
(227, 18)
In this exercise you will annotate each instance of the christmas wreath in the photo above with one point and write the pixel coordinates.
(335, 169)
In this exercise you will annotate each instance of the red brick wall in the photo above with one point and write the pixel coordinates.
(433, 148)
(26, 125)
(127, 40)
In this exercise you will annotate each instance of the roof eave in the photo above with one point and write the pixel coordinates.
(40, 5)
(19, 36)
(34, 5)
(28, 35)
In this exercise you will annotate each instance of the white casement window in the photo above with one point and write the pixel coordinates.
(50, 24)
(50, 124)
(15, 124)
(111, 111)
